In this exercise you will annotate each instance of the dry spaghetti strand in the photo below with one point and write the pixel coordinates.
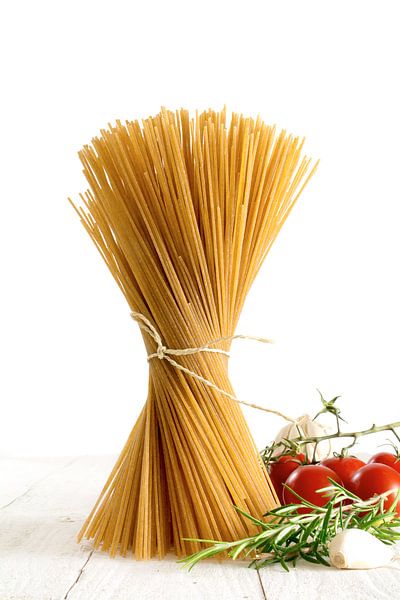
(183, 211)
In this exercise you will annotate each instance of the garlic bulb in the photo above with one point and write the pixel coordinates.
(307, 428)
(358, 549)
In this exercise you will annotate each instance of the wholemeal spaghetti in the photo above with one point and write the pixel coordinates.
(183, 211)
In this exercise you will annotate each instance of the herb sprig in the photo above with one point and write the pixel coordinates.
(287, 535)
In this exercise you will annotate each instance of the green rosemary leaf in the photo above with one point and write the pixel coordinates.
(325, 523)
(309, 558)
(395, 502)
(394, 524)
(284, 565)
(383, 536)
(284, 510)
(335, 486)
(309, 529)
(341, 514)
(347, 520)
(303, 501)
(336, 522)
(321, 559)
(379, 519)
(250, 517)
(238, 550)
(283, 535)
(193, 559)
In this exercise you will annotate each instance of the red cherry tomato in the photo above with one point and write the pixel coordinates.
(305, 481)
(280, 470)
(373, 479)
(386, 458)
(344, 467)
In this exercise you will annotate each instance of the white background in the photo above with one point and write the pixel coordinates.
(73, 368)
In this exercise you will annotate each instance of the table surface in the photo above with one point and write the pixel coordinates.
(43, 504)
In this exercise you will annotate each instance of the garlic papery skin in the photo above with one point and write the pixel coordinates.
(358, 549)
(307, 428)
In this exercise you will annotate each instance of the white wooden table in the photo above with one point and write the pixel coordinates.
(43, 504)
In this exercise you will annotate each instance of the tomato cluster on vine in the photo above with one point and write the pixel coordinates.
(292, 476)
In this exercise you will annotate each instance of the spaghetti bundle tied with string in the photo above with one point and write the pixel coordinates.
(183, 211)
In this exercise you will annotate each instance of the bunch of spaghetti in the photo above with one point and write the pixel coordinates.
(183, 211)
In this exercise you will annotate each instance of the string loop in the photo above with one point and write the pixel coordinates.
(164, 353)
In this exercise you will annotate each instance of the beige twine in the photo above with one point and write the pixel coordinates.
(164, 353)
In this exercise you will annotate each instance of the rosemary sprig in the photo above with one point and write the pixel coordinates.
(288, 535)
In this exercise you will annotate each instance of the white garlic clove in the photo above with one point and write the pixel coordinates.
(307, 428)
(358, 549)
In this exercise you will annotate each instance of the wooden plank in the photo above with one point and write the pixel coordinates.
(316, 582)
(125, 578)
(40, 559)
(19, 474)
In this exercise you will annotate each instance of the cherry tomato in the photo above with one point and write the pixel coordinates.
(386, 458)
(344, 467)
(305, 481)
(373, 479)
(280, 470)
